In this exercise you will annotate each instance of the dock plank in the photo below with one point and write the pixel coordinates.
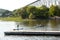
(33, 32)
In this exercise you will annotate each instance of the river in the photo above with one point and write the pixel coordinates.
(49, 25)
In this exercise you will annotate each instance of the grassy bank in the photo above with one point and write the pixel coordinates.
(19, 19)
(11, 18)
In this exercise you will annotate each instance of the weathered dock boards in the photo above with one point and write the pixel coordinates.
(37, 33)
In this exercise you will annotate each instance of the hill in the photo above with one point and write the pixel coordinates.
(5, 13)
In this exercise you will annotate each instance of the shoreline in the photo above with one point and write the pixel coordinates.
(20, 19)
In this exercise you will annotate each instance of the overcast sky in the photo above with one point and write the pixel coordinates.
(14, 4)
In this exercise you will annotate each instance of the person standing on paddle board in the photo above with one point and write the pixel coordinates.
(17, 27)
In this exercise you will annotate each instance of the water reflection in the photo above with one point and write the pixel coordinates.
(55, 23)
(33, 23)
(48, 25)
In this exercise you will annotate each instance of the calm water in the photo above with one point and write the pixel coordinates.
(49, 25)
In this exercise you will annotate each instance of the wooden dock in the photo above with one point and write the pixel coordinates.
(36, 33)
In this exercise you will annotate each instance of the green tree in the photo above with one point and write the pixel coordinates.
(21, 12)
(43, 11)
(32, 10)
(53, 11)
(58, 10)
(17, 12)
(24, 13)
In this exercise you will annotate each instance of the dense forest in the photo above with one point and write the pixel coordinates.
(33, 12)
(39, 12)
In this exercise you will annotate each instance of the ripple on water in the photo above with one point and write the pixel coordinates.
(30, 38)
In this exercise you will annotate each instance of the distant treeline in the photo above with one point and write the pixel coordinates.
(33, 12)
(5, 13)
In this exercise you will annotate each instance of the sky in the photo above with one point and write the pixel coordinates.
(14, 4)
